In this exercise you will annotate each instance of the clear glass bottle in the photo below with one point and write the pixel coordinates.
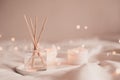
(35, 60)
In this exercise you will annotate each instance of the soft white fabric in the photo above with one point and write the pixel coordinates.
(101, 67)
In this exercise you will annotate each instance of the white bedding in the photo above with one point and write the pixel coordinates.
(10, 57)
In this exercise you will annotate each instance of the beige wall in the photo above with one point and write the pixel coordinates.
(101, 16)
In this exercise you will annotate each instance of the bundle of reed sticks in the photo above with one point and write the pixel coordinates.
(35, 36)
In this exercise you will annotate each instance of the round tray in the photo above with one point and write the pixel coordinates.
(52, 69)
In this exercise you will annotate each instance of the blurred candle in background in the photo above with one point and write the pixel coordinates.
(77, 56)
(51, 55)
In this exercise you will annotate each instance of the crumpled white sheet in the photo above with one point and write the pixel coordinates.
(10, 58)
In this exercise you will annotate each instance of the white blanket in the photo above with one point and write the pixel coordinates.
(11, 58)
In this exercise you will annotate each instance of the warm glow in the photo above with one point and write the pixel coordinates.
(86, 27)
(0, 35)
(83, 45)
(117, 71)
(119, 40)
(113, 53)
(13, 39)
(58, 47)
(16, 48)
(78, 27)
(1, 48)
(77, 55)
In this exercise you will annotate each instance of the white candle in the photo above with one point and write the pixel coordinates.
(51, 56)
(77, 56)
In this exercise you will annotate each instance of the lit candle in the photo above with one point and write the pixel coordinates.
(51, 56)
(77, 56)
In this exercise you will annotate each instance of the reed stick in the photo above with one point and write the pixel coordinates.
(42, 29)
(33, 32)
(28, 25)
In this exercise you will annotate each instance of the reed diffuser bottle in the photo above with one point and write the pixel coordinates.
(36, 59)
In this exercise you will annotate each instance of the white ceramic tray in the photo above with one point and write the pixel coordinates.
(20, 69)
